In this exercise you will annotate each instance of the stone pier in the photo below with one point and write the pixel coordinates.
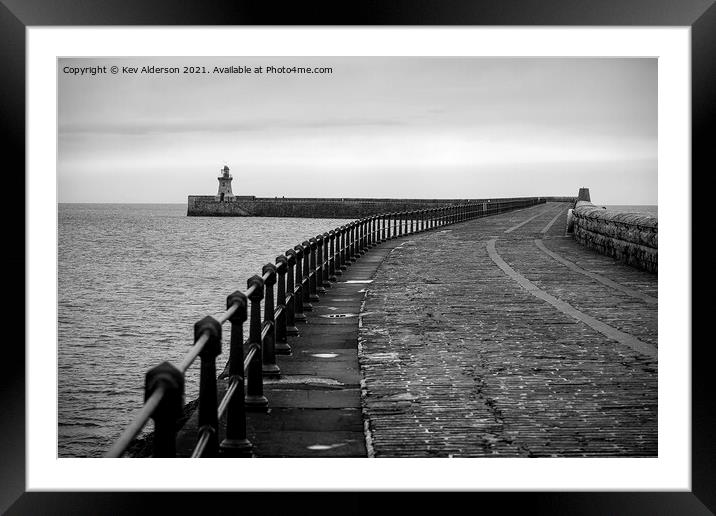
(503, 337)
(500, 336)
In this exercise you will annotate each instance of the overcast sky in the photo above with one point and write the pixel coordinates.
(374, 127)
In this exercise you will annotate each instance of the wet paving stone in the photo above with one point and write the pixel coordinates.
(458, 359)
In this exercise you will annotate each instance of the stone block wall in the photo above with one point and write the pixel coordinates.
(631, 238)
(334, 208)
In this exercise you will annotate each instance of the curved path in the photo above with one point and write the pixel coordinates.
(501, 337)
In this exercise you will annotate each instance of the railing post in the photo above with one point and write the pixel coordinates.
(364, 235)
(255, 399)
(332, 266)
(359, 239)
(305, 281)
(236, 444)
(338, 269)
(361, 235)
(326, 261)
(281, 346)
(291, 294)
(208, 405)
(348, 245)
(298, 305)
(170, 408)
(270, 367)
(318, 269)
(352, 243)
(313, 283)
(343, 255)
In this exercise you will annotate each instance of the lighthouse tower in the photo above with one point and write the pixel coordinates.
(224, 193)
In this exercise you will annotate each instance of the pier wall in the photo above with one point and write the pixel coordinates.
(628, 237)
(334, 208)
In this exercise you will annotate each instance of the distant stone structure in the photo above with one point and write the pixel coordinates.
(583, 195)
(631, 238)
(226, 204)
(225, 194)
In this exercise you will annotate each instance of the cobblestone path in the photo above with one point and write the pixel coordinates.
(501, 337)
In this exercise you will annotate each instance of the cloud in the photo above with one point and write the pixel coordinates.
(140, 128)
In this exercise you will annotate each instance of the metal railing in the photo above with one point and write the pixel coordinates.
(297, 277)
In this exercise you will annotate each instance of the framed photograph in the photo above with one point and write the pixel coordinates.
(149, 136)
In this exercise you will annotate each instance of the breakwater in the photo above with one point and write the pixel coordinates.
(630, 238)
(286, 290)
(307, 207)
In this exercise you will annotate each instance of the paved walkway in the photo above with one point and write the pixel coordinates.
(493, 337)
(315, 406)
(501, 337)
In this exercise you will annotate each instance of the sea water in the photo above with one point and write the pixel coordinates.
(132, 281)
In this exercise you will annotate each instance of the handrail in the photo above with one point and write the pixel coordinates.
(300, 275)
(138, 422)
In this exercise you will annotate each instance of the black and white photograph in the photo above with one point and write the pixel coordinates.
(357, 257)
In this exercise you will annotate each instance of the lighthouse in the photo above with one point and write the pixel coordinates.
(224, 193)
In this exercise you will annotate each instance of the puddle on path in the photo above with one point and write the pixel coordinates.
(345, 315)
(302, 380)
(321, 447)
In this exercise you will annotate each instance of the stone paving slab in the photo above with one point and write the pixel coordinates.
(310, 443)
(460, 360)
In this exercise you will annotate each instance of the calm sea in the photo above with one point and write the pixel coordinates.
(133, 279)
(647, 209)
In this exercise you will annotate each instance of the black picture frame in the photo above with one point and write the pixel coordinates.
(17, 15)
